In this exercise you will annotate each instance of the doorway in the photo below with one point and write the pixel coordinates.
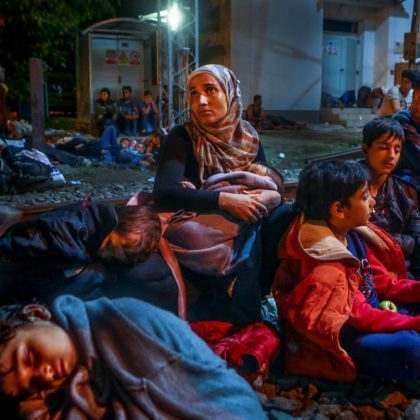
(340, 64)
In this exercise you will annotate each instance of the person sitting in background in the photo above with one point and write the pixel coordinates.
(255, 112)
(339, 283)
(375, 98)
(152, 153)
(69, 362)
(396, 208)
(399, 97)
(149, 112)
(106, 111)
(409, 165)
(128, 115)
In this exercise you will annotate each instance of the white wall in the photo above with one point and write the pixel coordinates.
(276, 51)
(367, 43)
(388, 30)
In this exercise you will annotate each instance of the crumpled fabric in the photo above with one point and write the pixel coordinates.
(249, 350)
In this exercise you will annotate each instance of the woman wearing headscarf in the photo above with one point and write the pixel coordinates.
(215, 140)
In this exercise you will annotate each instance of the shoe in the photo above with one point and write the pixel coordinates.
(8, 217)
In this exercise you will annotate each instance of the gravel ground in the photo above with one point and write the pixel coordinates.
(98, 182)
(285, 149)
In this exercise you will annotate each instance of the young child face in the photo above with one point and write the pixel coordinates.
(383, 154)
(125, 143)
(139, 147)
(359, 209)
(40, 357)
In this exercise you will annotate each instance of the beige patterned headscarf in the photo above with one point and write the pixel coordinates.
(233, 143)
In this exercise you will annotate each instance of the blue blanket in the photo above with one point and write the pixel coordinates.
(140, 362)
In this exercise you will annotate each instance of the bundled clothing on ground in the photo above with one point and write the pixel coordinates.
(321, 294)
(162, 370)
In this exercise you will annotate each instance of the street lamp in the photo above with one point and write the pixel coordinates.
(172, 17)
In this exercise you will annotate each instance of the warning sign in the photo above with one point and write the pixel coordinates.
(134, 57)
(111, 57)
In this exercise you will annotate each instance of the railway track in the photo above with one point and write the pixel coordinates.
(28, 212)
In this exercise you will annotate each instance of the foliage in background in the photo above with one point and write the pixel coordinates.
(43, 29)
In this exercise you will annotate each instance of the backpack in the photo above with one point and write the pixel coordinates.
(32, 171)
(5, 177)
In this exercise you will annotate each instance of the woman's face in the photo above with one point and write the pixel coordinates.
(40, 357)
(207, 98)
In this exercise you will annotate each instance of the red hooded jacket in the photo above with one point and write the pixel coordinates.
(316, 291)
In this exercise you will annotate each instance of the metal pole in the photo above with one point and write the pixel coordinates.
(196, 36)
(170, 74)
(37, 102)
(158, 63)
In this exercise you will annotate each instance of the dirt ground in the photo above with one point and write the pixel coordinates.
(298, 145)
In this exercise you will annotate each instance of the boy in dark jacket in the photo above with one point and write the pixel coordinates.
(396, 208)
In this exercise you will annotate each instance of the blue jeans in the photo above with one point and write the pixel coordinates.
(108, 142)
(127, 127)
(386, 355)
(130, 156)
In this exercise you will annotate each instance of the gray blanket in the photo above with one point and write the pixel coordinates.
(139, 362)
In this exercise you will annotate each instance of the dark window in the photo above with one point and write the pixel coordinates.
(340, 26)
(209, 18)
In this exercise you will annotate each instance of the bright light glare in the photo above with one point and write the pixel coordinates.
(174, 17)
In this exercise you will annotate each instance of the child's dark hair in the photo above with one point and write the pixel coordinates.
(106, 90)
(380, 126)
(11, 318)
(127, 88)
(142, 225)
(409, 74)
(323, 183)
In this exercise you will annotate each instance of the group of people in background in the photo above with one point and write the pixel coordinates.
(127, 115)
(342, 264)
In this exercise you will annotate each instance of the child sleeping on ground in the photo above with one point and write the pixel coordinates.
(120, 358)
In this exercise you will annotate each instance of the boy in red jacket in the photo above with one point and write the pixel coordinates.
(336, 274)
